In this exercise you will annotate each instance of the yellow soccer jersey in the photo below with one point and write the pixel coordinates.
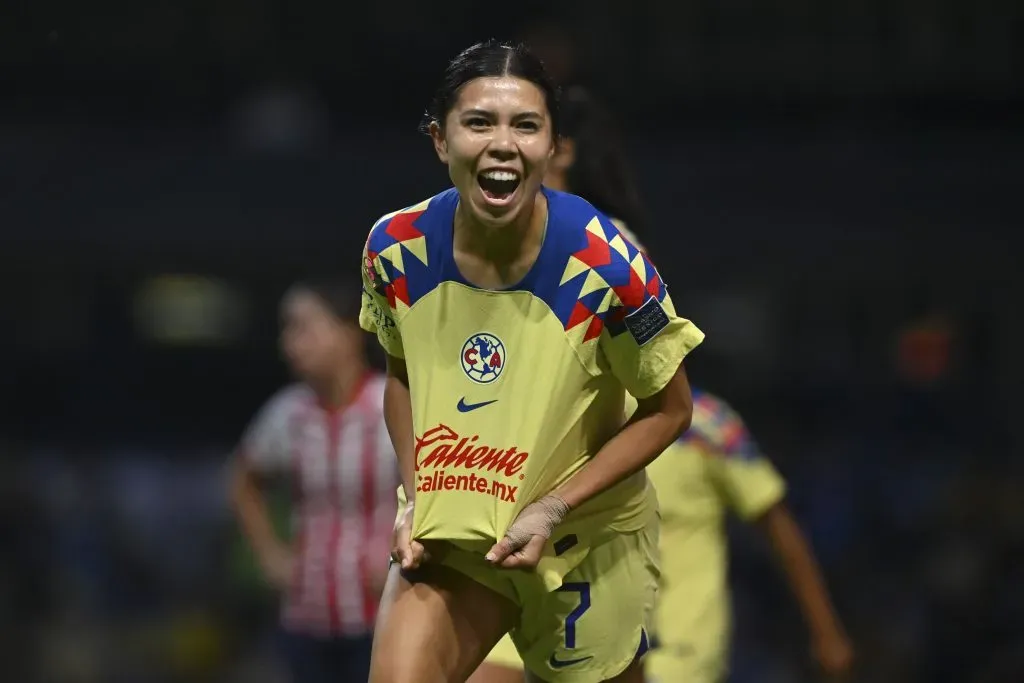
(514, 390)
(714, 468)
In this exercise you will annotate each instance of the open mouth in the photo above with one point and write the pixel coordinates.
(498, 185)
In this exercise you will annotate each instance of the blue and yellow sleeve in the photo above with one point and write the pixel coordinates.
(376, 313)
(745, 478)
(645, 341)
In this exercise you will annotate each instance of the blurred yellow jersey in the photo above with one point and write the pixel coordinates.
(713, 469)
(514, 390)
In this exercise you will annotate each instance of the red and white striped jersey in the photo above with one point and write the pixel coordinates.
(344, 472)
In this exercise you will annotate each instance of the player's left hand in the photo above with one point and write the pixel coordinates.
(523, 544)
(834, 654)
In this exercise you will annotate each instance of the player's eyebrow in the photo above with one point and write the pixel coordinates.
(478, 112)
(491, 115)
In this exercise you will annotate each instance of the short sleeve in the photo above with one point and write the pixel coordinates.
(745, 478)
(376, 314)
(264, 445)
(644, 340)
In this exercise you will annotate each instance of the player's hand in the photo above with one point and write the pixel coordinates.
(523, 544)
(834, 654)
(278, 564)
(409, 554)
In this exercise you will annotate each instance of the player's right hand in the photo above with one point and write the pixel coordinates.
(278, 564)
(409, 554)
(835, 656)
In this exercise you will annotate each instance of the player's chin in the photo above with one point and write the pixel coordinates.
(307, 370)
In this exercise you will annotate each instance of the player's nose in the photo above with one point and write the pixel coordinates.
(502, 145)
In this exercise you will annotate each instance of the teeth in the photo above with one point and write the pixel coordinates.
(507, 176)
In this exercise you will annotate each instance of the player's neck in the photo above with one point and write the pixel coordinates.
(556, 181)
(505, 245)
(340, 389)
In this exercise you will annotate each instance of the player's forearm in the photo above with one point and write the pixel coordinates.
(802, 571)
(657, 422)
(398, 418)
(251, 510)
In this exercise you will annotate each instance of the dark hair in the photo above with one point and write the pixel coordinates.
(490, 59)
(341, 299)
(600, 172)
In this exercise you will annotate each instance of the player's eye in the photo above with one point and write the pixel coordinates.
(478, 123)
(529, 126)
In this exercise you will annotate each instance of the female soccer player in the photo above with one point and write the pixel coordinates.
(713, 469)
(328, 433)
(515, 318)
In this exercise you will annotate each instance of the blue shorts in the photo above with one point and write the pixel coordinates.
(326, 660)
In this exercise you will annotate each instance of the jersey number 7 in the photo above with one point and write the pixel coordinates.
(583, 590)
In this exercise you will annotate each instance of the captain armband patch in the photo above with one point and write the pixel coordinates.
(646, 322)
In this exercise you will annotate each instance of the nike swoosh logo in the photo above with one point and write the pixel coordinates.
(557, 663)
(466, 407)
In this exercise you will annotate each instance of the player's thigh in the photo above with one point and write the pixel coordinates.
(435, 626)
(496, 673)
(594, 627)
(634, 673)
(502, 665)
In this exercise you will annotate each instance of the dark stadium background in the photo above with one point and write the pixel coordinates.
(834, 187)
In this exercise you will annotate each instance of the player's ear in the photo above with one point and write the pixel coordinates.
(563, 154)
(440, 144)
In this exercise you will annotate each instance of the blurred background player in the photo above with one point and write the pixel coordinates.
(715, 467)
(327, 433)
(591, 162)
